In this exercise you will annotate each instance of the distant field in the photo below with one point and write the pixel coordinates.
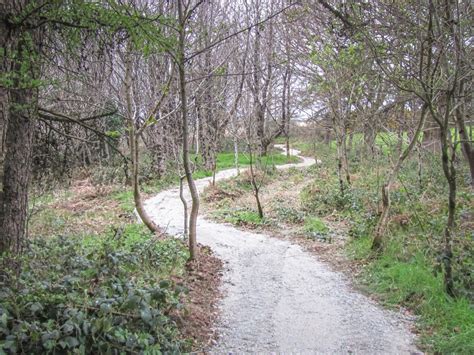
(225, 160)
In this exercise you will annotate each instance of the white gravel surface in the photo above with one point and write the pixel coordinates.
(279, 298)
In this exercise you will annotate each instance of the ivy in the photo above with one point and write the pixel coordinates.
(107, 295)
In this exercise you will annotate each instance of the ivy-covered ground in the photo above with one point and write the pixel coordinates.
(92, 280)
(307, 207)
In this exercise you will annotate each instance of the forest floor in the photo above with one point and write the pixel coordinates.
(277, 295)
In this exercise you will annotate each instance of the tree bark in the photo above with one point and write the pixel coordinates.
(256, 187)
(134, 149)
(16, 170)
(450, 173)
(3, 107)
(20, 104)
(185, 204)
(185, 129)
(386, 202)
(466, 142)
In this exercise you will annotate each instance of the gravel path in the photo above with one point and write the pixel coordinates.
(280, 298)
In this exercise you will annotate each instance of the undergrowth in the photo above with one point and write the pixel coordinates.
(409, 270)
(112, 294)
(83, 286)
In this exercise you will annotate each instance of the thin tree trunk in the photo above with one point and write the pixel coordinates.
(346, 160)
(214, 170)
(236, 149)
(450, 174)
(341, 156)
(256, 188)
(386, 202)
(3, 146)
(133, 143)
(185, 204)
(466, 142)
(339, 167)
(449, 171)
(184, 116)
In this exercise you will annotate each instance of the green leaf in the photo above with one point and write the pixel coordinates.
(146, 315)
(71, 342)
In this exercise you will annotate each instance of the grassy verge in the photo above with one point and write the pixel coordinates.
(408, 272)
(410, 280)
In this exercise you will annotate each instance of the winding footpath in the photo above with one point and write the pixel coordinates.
(280, 298)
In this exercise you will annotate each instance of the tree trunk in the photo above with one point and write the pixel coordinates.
(236, 146)
(466, 142)
(369, 139)
(133, 143)
(386, 202)
(260, 118)
(450, 174)
(256, 188)
(21, 107)
(346, 160)
(184, 116)
(185, 204)
(3, 146)
(342, 161)
(339, 166)
(16, 170)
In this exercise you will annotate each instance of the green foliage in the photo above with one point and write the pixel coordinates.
(93, 295)
(73, 23)
(315, 225)
(317, 229)
(225, 160)
(241, 217)
(323, 199)
(408, 271)
(289, 214)
(408, 279)
(110, 19)
(126, 200)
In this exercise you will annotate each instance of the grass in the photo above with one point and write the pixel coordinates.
(241, 217)
(225, 160)
(447, 324)
(125, 198)
(408, 272)
(314, 225)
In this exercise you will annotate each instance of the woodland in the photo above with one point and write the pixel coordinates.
(107, 103)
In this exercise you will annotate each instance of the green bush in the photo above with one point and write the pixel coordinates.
(92, 295)
(408, 271)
